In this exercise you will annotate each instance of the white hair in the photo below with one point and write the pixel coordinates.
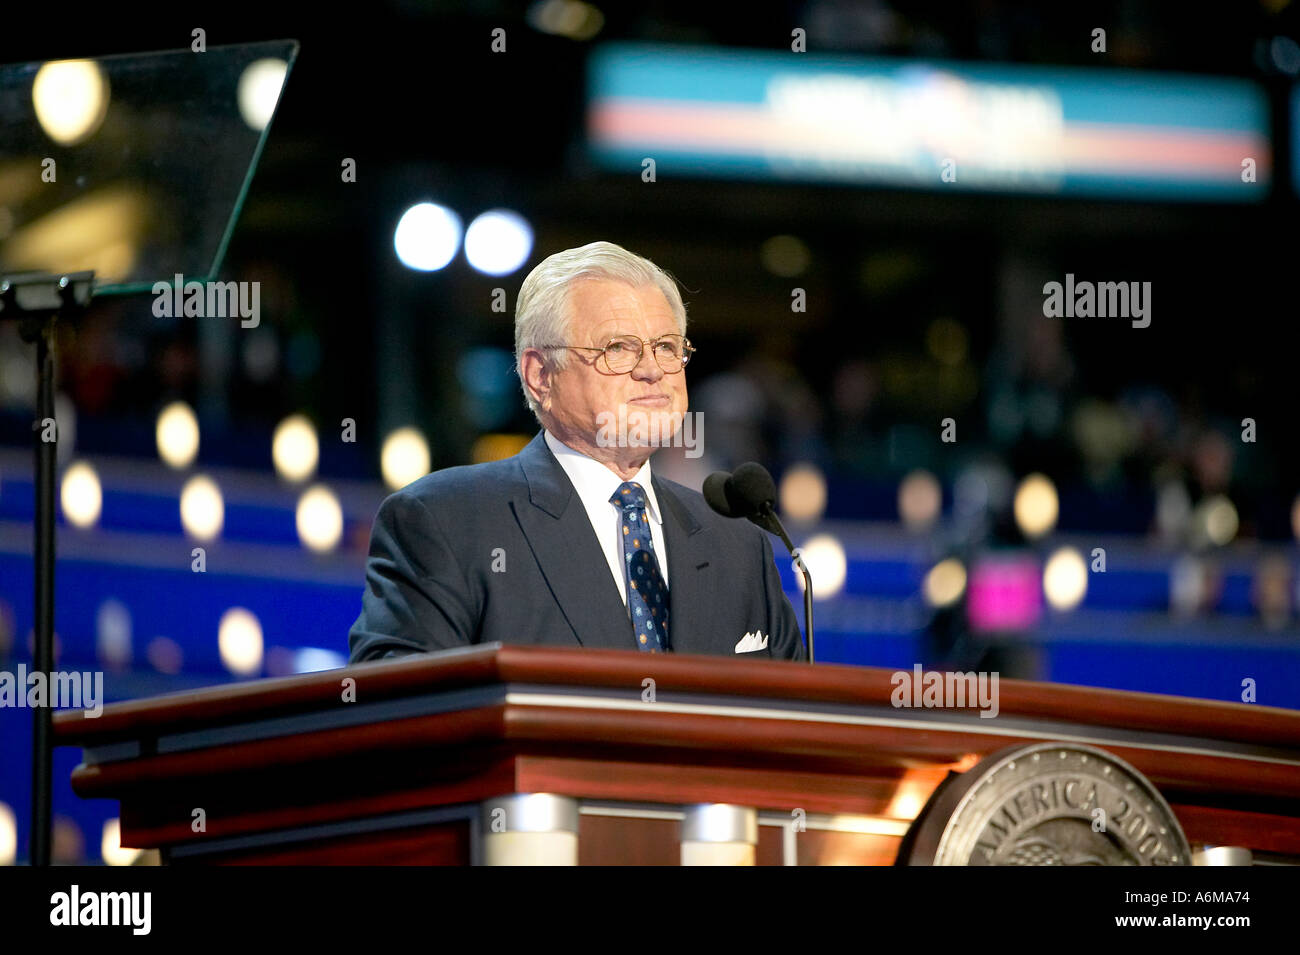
(542, 311)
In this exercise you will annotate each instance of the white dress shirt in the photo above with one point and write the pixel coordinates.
(596, 484)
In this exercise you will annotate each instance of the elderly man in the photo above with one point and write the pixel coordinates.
(574, 541)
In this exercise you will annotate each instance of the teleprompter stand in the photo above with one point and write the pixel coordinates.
(38, 302)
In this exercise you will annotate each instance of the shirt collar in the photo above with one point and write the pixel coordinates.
(595, 483)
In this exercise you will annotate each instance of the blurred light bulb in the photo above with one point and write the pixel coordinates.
(294, 448)
(81, 495)
(405, 457)
(70, 98)
(498, 242)
(427, 237)
(945, 583)
(203, 511)
(177, 435)
(110, 845)
(803, 493)
(239, 639)
(319, 519)
(1065, 579)
(259, 90)
(827, 564)
(1036, 505)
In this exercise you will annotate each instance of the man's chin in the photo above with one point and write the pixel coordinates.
(638, 427)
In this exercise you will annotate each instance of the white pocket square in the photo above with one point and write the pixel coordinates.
(752, 641)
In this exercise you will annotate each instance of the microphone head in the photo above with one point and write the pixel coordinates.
(715, 493)
(753, 485)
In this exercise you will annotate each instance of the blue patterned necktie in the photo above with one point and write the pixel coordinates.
(647, 594)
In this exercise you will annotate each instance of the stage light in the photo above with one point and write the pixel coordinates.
(259, 90)
(945, 583)
(239, 638)
(202, 510)
(1065, 579)
(570, 18)
(920, 499)
(785, 255)
(405, 457)
(71, 100)
(177, 435)
(803, 493)
(1036, 505)
(319, 519)
(294, 448)
(81, 495)
(824, 555)
(8, 835)
(1215, 520)
(498, 242)
(427, 237)
(110, 845)
(113, 633)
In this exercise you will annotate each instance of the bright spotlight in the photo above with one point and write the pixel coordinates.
(1065, 579)
(824, 556)
(405, 457)
(427, 237)
(71, 100)
(259, 90)
(498, 242)
(203, 511)
(320, 519)
(1036, 505)
(294, 448)
(239, 638)
(945, 583)
(81, 495)
(177, 435)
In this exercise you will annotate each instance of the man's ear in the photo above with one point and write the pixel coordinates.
(536, 374)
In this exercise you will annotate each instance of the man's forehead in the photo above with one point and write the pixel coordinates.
(599, 302)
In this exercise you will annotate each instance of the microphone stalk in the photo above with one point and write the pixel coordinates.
(768, 514)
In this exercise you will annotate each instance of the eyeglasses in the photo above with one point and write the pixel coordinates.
(622, 354)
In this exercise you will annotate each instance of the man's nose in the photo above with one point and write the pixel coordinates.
(647, 369)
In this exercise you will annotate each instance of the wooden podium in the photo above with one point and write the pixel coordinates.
(390, 762)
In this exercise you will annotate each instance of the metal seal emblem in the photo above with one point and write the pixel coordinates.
(1046, 804)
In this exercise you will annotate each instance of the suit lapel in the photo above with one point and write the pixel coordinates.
(560, 535)
(689, 573)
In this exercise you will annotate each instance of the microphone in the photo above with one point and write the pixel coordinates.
(750, 492)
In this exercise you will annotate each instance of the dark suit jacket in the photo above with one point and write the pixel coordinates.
(504, 552)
